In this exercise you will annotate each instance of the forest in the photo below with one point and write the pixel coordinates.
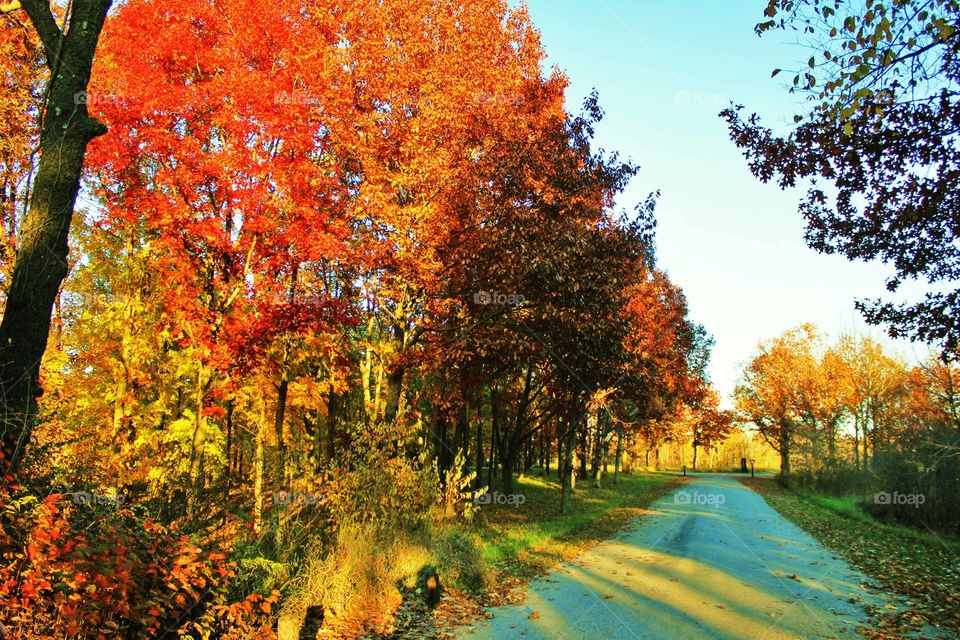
(301, 297)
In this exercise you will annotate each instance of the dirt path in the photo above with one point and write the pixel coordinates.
(712, 561)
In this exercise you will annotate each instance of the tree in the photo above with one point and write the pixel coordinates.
(879, 135)
(770, 394)
(710, 424)
(41, 262)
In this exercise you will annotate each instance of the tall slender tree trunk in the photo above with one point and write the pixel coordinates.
(281, 469)
(230, 445)
(594, 419)
(561, 443)
(856, 440)
(510, 455)
(199, 441)
(570, 438)
(584, 452)
(619, 455)
(333, 407)
(258, 470)
(366, 367)
(495, 417)
(41, 261)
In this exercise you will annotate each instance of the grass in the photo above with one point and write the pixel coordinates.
(518, 543)
(526, 540)
(845, 506)
(921, 566)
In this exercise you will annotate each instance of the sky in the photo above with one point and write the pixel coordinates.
(663, 70)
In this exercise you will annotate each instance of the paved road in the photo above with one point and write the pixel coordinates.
(712, 561)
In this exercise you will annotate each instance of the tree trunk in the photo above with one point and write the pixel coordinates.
(561, 440)
(281, 470)
(856, 440)
(546, 455)
(566, 499)
(784, 450)
(597, 438)
(584, 452)
(510, 454)
(394, 388)
(494, 437)
(229, 451)
(41, 261)
(333, 406)
(478, 481)
(258, 471)
(199, 441)
(366, 366)
(619, 456)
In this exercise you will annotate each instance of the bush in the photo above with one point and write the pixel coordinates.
(374, 486)
(356, 581)
(87, 571)
(460, 561)
(927, 473)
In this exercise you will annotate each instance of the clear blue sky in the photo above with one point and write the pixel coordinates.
(663, 70)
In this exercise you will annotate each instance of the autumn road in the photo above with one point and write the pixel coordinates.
(712, 561)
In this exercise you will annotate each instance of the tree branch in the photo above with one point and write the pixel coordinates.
(40, 15)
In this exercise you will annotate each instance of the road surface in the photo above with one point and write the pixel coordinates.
(711, 561)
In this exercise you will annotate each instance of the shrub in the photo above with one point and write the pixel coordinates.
(460, 561)
(355, 582)
(86, 571)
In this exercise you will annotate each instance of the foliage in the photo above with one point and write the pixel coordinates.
(460, 560)
(879, 139)
(337, 261)
(109, 574)
(356, 580)
(859, 421)
(456, 499)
